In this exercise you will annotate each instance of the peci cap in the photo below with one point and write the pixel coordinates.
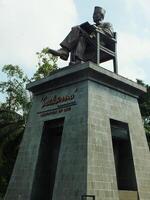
(100, 9)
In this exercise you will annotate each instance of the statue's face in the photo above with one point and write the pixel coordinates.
(97, 17)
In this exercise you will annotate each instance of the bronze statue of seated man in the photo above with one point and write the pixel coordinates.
(76, 41)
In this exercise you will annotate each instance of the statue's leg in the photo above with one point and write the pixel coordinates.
(80, 48)
(77, 54)
(75, 43)
(68, 44)
(72, 38)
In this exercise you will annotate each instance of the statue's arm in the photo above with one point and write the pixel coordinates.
(108, 28)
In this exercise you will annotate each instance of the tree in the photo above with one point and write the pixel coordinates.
(14, 111)
(13, 114)
(11, 131)
(47, 63)
(17, 98)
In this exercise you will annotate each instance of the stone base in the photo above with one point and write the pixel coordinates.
(87, 98)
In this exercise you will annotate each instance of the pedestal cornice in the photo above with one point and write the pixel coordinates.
(86, 71)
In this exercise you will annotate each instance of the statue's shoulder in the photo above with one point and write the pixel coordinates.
(107, 25)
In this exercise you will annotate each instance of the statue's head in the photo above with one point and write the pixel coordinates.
(98, 14)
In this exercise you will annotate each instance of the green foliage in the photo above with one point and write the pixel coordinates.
(11, 122)
(14, 89)
(11, 131)
(47, 63)
(14, 111)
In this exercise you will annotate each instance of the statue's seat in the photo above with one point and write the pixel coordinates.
(107, 49)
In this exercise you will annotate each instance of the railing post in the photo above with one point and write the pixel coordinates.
(98, 47)
(115, 61)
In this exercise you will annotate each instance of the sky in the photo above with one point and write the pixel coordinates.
(26, 27)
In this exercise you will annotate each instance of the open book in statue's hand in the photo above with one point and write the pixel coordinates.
(88, 27)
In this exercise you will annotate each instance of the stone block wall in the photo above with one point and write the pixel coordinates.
(106, 104)
(87, 97)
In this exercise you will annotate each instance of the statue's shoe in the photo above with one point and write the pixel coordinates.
(62, 53)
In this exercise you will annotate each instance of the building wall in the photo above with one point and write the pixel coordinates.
(72, 164)
(106, 104)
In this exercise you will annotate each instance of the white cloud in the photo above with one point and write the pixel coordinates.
(132, 51)
(28, 26)
(133, 57)
(144, 5)
(140, 6)
(134, 43)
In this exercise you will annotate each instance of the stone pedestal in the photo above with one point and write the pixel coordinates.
(85, 99)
